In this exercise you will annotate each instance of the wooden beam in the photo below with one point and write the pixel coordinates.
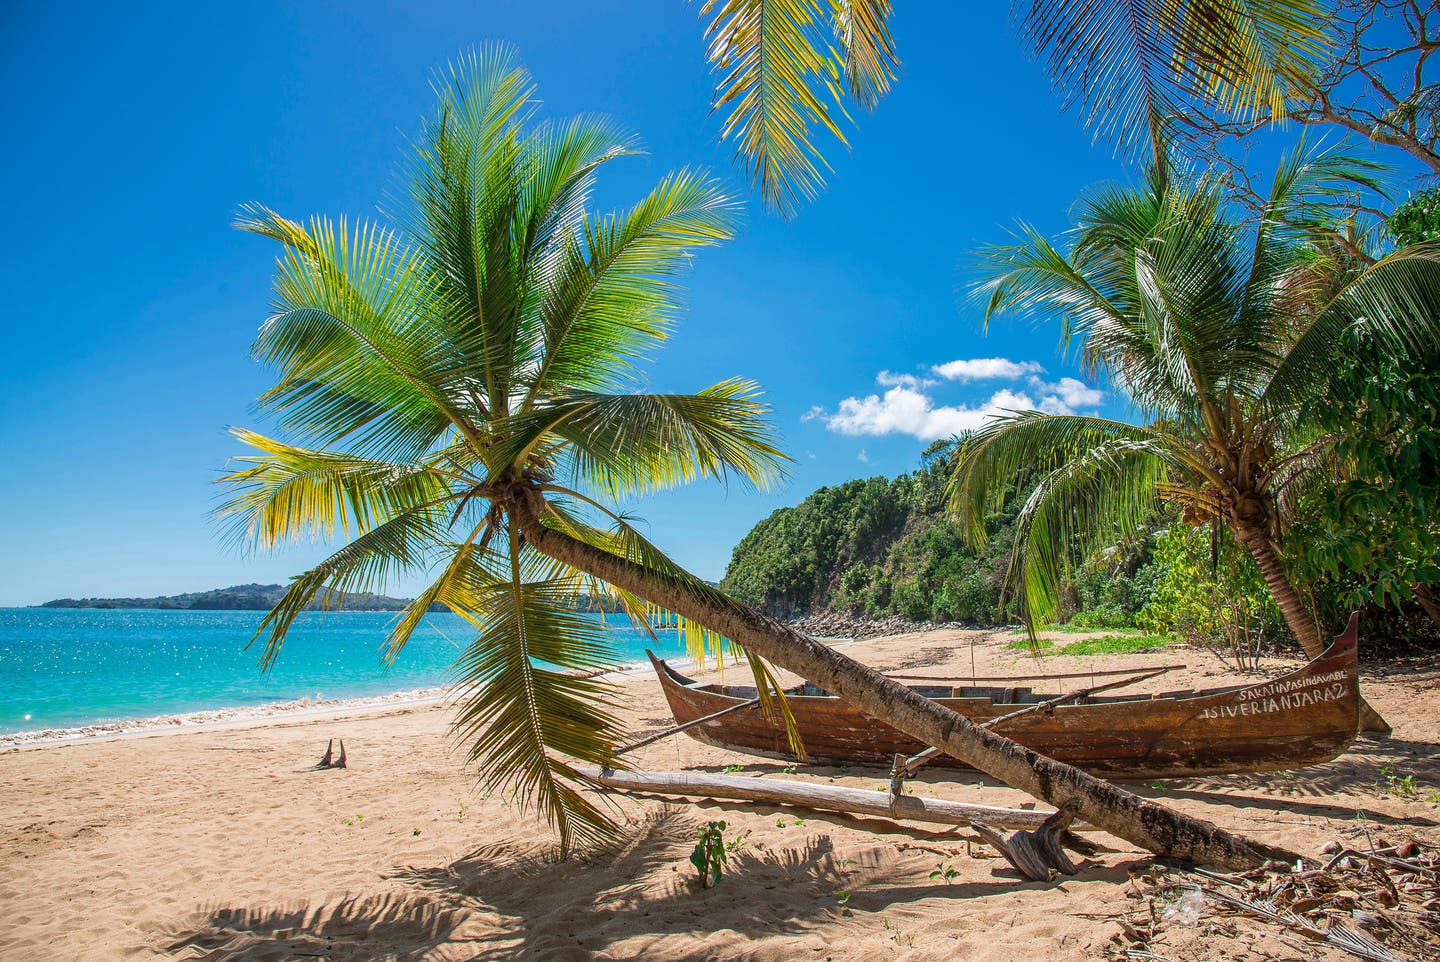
(953, 679)
(829, 798)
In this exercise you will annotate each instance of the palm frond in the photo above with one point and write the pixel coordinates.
(781, 79)
(608, 290)
(862, 29)
(1132, 66)
(352, 339)
(1397, 300)
(468, 180)
(1104, 492)
(524, 712)
(1023, 443)
(629, 444)
(406, 543)
(289, 492)
(464, 579)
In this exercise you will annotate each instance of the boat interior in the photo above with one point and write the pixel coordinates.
(1018, 696)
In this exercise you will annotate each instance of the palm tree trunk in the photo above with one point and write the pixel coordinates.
(1427, 601)
(1292, 607)
(1297, 616)
(1123, 814)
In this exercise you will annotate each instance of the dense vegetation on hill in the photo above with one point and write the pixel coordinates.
(877, 547)
(873, 547)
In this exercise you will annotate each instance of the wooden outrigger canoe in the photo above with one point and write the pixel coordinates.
(1303, 718)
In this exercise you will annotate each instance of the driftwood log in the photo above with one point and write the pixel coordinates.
(1037, 855)
(829, 798)
(330, 761)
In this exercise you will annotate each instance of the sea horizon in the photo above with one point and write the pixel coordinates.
(69, 670)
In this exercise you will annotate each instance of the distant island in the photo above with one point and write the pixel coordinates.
(236, 598)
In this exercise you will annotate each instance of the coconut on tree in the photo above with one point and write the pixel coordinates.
(1222, 331)
(460, 400)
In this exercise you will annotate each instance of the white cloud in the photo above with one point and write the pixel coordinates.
(862, 457)
(986, 368)
(1067, 396)
(905, 411)
(907, 407)
(891, 379)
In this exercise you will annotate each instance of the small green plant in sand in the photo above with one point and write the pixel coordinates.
(1106, 645)
(709, 856)
(790, 768)
(738, 842)
(733, 769)
(355, 819)
(889, 927)
(841, 896)
(946, 872)
(1397, 784)
(1160, 786)
(415, 831)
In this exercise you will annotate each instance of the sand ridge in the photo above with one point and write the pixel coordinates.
(225, 844)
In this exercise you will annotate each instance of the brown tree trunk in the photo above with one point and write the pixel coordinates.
(1297, 616)
(1123, 814)
(1427, 601)
(1292, 607)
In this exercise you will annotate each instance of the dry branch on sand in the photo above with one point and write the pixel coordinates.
(1034, 849)
(1380, 902)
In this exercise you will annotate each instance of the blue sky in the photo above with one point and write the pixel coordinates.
(134, 132)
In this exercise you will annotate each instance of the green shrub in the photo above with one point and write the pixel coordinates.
(1208, 600)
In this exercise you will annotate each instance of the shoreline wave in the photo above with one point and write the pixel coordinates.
(305, 707)
(309, 706)
(179, 721)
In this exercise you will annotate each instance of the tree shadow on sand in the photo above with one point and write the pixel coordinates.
(393, 927)
(582, 909)
(1371, 767)
(508, 901)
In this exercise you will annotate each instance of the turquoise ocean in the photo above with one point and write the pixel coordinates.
(70, 668)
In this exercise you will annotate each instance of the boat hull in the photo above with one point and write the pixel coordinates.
(1304, 718)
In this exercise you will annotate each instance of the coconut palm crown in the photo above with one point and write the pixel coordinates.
(1221, 331)
(483, 351)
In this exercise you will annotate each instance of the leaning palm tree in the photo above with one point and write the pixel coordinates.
(785, 69)
(1222, 333)
(489, 347)
(461, 400)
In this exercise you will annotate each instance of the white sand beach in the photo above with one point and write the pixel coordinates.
(223, 843)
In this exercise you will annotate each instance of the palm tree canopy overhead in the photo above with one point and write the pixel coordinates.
(1220, 330)
(785, 70)
(485, 345)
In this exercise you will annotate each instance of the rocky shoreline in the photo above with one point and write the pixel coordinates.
(830, 624)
